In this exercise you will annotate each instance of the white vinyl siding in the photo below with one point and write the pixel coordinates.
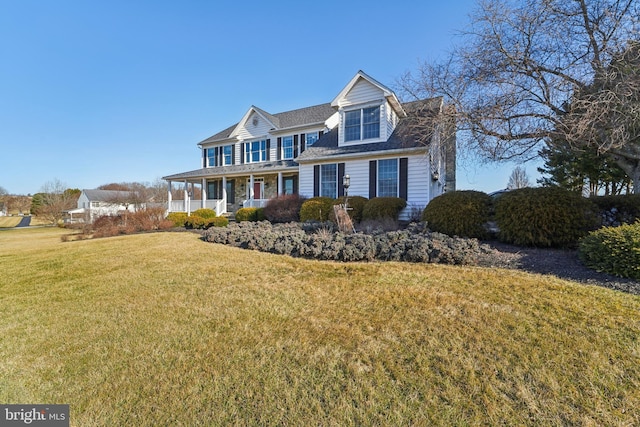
(361, 92)
(251, 131)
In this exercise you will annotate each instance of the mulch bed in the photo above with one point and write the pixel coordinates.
(565, 264)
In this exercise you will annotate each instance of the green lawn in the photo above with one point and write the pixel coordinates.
(164, 329)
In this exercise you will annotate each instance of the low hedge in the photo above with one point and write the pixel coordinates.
(199, 223)
(614, 250)
(383, 207)
(177, 218)
(414, 244)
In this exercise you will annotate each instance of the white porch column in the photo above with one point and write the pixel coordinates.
(204, 192)
(224, 191)
(251, 193)
(187, 205)
(169, 198)
(280, 184)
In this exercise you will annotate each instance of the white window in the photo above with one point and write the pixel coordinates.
(287, 147)
(311, 138)
(227, 156)
(211, 157)
(388, 178)
(329, 181)
(255, 151)
(362, 124)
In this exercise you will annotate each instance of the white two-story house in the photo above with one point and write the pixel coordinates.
(388, 149)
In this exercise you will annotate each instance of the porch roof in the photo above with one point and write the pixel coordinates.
(237, 170)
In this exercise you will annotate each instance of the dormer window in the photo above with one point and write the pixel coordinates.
(363, 123)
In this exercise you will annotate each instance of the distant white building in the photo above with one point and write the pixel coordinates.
(95, 203)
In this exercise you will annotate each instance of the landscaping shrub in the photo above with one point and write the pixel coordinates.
(285, 208)
(414, 244)
(615, 250)
(619, 209)
(459, 213)
(383, 207)
(199, 223)
(356, 205)
(150, 219)
(316, 209)
(544, 216)
(177, 218)
(204, 213)
(249, 214)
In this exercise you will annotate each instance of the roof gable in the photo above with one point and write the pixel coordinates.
(357, 81)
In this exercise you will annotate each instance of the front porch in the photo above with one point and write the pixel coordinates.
(227, 194)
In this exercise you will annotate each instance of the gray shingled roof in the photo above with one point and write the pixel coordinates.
(402, 137)
(286, 119)
(108, 195)
(248, 168)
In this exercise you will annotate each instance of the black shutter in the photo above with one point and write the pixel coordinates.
(204, 157)
(231, 195)
(320, 134)
(217, 156)
(268, 149)
(295, 185)
(340, 182)
(295, 146)
(303, 140)
(373, 178)
(404, 175)
(242, 153)
(316, 181)
(279, 153)
(233, 154)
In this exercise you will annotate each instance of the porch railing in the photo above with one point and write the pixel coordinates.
(255, 203)
(220, 206)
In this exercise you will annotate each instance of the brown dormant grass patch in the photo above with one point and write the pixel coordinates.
(163, 329)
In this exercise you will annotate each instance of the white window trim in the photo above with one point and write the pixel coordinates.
(397, 177)
(282, 154)
(361, 108)
(248, 158)
(322, 183)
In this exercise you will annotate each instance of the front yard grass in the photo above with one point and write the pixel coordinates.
(164, 329)
(9, 221)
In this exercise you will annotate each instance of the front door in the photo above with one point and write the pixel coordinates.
(257, 190)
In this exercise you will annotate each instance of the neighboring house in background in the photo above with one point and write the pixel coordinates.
(96, 203)
(365, 132)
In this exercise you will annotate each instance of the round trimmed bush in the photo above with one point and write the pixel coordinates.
(204, 213)
(459, 213)
(316, 209)
(178, 218)
(249, 214)
(615, 250)
(383, 208)
(544, 216)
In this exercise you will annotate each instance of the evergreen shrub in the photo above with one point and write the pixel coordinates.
(383, 207)
(615, 250)
(249, 214)
(178, 218)
(316, 209)
(459, 213)
(205, 213)
(544, 217)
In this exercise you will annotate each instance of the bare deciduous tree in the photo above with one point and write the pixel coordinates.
(521, 67)
(518, 179)
(56, 198)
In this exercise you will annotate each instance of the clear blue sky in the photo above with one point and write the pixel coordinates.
(122, 91)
